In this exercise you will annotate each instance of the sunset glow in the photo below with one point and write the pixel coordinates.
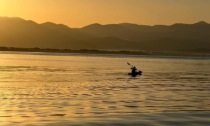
(78, 13)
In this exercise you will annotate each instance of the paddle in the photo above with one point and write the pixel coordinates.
(129, 64)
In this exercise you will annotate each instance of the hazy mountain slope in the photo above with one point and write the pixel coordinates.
(159, 37)
(108, 43)
(21, 33)
(17, 32)
(133, 32)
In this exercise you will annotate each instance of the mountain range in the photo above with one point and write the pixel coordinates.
(17, 32)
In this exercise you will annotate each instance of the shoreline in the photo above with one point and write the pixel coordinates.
(105, 52)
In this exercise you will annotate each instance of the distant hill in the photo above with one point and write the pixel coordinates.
(17, 32)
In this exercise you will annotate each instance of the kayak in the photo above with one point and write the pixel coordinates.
(135, 74)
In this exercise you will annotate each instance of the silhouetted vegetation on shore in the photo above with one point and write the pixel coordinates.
(93, 51)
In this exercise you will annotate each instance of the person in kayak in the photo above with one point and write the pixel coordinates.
(133, 71)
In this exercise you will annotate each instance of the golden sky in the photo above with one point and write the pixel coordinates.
(78, 13)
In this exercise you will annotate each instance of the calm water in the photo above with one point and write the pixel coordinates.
(41, 89)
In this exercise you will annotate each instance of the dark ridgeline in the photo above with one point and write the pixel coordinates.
(16, 32)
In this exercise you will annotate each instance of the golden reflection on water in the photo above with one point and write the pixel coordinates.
(47, 89)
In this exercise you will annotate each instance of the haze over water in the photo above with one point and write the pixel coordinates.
(44, 89)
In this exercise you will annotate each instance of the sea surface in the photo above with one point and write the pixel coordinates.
(52, 89)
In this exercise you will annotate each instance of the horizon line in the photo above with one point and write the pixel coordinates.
(107, 23)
